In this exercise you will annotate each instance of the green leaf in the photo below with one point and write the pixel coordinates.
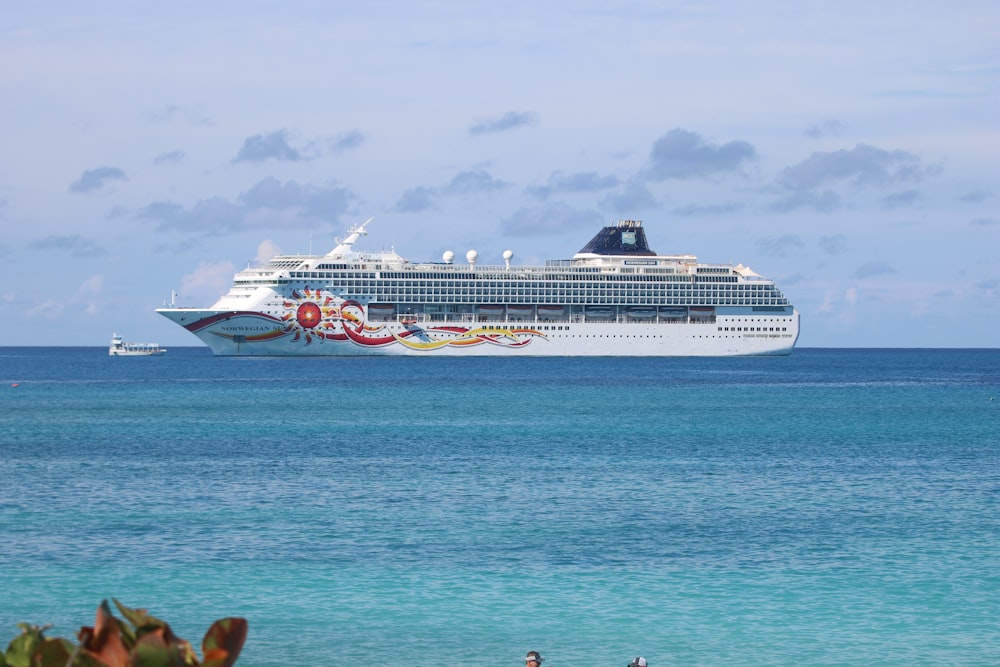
(139, 618)
(22, 647)
(153, 651)
(55, 653)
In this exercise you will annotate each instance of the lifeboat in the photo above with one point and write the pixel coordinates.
(490, 310)
(641, 312)
(598, 312)
(548, 311)
(674, 312)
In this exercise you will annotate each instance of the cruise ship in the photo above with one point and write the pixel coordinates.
(615, 297)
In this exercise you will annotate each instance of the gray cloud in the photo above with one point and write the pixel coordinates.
(509, 121)
(271, 193)
(826, 129)
(781, 246)
(633, 197)
(415, 200)
(985, 222)
(77, 246)
(95, 179)
(273, 146)
(170, 157)
(862, 166)
(473, 181)
(578, 182)
(824, 202)
(476, 180)
(347, 141)
(990, 286)
(553, 218)
(682, 154)
(901, 199)
(811, 183)
(268, 203)
(975, 196)
(276, 146)
(708, 210)
(872, 269)
(833, 245)
(172, 112)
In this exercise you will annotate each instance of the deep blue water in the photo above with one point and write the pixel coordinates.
(832, 507)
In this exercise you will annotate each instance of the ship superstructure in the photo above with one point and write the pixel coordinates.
(615, 297)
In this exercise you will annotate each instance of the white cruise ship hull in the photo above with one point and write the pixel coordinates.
(347, 333)
(615, 297)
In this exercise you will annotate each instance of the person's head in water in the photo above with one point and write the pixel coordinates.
(533, 659)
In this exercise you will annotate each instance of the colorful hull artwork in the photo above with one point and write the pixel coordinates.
(313, 318)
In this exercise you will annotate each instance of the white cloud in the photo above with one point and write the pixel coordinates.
(266, 250)
(89, 292)
(50, 309)
(206, 283)
(849, 311)
(92, 286)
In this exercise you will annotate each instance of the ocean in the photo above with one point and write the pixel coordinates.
(833, 507)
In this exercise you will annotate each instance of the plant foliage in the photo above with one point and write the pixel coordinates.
(144, 641)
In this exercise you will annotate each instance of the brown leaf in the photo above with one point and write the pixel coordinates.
(224, 641)
(104, 640)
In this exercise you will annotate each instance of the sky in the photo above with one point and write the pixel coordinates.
(848, 150)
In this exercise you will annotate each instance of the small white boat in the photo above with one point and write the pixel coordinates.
(120, 348)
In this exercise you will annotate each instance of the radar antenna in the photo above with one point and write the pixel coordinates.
(344, 245)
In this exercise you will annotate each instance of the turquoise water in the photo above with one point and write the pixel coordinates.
(829, 508)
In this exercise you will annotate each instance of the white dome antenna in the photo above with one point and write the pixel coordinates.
(448, 256)
(471, 257)
(507, 255)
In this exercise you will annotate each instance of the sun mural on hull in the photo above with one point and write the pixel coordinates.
(311, 316)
